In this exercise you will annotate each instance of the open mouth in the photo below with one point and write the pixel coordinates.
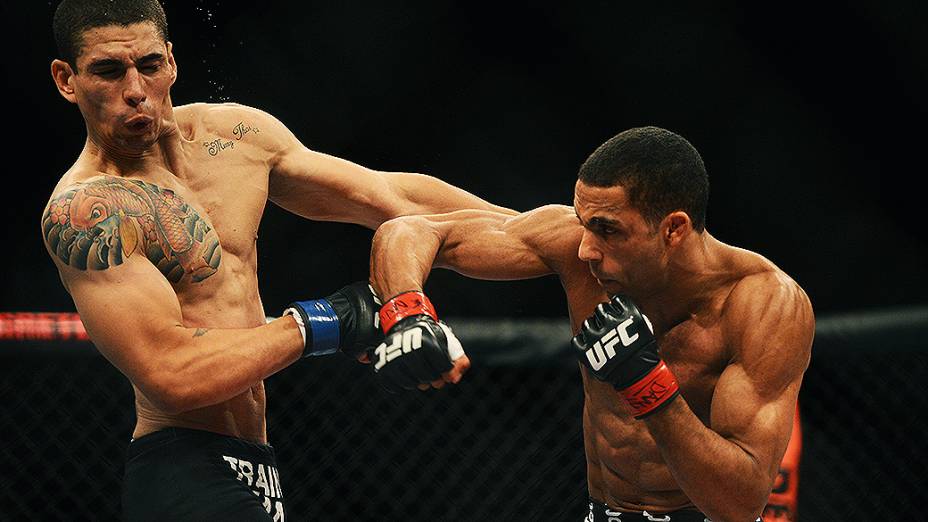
(139, 123)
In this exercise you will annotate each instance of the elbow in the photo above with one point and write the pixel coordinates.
(399, 225)
(729, 511)
(168, 394)
(397, 229)
(734, 515)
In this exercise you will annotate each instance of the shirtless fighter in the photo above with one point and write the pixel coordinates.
(153, 230)
(693, 351)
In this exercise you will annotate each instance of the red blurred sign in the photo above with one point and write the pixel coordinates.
(42, 326)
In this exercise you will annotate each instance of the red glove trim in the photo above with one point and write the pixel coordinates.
(405, 305)
(652, 391)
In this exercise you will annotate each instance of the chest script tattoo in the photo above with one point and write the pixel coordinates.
(242, 129)
(217, 145)
(96, 225)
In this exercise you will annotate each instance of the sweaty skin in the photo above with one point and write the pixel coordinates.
(154, 229)
(735, 330)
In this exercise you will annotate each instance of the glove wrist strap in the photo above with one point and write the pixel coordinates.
(405, 305)
(656, 389)
(320, 324)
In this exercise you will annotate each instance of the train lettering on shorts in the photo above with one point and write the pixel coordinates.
(264, 482)
(604, 349)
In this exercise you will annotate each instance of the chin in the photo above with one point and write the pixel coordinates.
(140, 143)
(611, 287)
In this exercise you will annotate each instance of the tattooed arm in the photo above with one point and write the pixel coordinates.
(323, 187)
(96, 232)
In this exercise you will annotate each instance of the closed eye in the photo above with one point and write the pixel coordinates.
(150, 66)
(109, 73)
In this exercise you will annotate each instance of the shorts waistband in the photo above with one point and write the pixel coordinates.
(171, 435)
(599, 511)
(602, 512)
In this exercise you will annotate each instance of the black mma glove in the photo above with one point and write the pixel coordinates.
(418, 348)
(617, 346)
(346, 320)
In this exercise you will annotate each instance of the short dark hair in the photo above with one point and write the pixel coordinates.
(660, 171)
(73, 17)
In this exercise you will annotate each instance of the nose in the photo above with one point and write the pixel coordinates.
(588, 251)
(133, 91)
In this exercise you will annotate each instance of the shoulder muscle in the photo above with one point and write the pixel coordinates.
(555, 235)
(770, 326)
(103, 222)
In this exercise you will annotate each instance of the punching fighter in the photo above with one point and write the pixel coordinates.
(692, 351)
(153, 230)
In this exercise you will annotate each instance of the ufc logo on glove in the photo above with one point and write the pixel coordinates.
(636, 370)
(604, 349)
(401, 342)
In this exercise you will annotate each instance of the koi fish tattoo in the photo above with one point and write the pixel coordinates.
(96, 225)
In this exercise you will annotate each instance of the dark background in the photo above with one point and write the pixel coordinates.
(808, 118)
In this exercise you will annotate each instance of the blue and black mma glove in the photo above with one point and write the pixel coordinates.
(347, 320)
(617, 345)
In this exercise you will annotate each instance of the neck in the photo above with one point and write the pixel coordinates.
(693, 274)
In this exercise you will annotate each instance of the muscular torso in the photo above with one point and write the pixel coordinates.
(625, 468)
(223, 180)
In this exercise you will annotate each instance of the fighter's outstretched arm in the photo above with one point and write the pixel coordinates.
(323, 187)
(478, 244)
(727, 469)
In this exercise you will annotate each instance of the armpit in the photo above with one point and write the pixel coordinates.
(99, 224)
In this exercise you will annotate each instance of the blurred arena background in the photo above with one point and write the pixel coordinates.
(808, 118)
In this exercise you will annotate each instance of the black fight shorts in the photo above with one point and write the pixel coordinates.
(180, 474)
(600, 512)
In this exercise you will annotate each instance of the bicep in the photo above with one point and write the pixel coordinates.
(323, 187)
(309, 183)
(760, 423)
(755, 398)
(98, 233)
(130, 312)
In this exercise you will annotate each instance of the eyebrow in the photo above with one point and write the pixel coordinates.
(112, 62)
(105, 62)
(597, 221)
(151, 57)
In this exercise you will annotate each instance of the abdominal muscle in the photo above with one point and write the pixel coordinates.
(625, 469)
(241, 416)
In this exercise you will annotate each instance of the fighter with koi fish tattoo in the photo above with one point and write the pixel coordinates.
(153, 231)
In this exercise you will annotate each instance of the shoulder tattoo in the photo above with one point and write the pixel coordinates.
(96, 225)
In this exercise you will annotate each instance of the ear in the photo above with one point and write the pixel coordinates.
(64, 77)
(171, 63)
(675, 227)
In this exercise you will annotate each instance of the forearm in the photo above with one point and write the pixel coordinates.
(429, 195)
(723, 479)
(201, 367)
(402, 254)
